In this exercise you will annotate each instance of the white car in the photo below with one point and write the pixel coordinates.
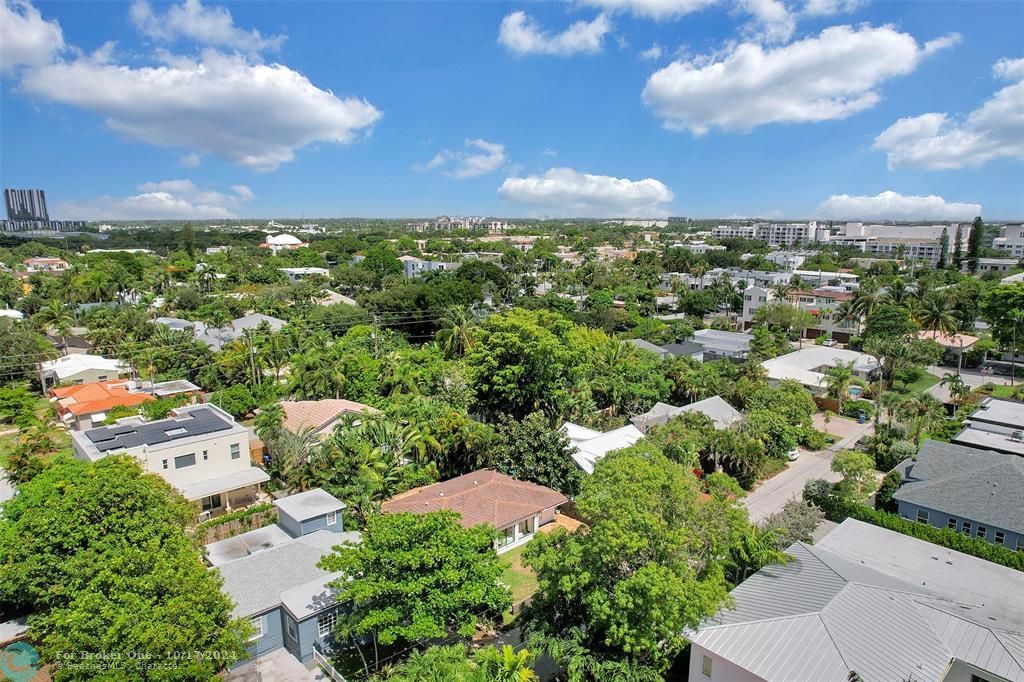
(829, 342)
(793, 455)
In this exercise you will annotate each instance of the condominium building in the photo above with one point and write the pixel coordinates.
(779, 234)
(821, 302)
(918, 242)
(1010, 240)
(26, 204)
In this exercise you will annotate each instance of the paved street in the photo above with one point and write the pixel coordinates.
(772, 495)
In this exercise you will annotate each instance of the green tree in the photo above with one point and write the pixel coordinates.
(858, 472)
(883, 496)
(974, 244)
(187, 240)
(414, 577)
(958, 249)
(89, 583)
(530, 450)
(943, 249)
(937, 314)
(1003, 308)
(796, 521)
(923, 413)
(55, 317)
(838, 380)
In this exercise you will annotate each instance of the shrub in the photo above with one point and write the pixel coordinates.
(817, 489)
(887, 458)
(853, 408)
(815, 440)
(890, 484)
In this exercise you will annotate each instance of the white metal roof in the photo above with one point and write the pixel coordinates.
(588, 452)
(309, 504)
(70, 365)
(223, 484)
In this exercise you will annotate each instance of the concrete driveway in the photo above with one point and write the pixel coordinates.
(772, 495)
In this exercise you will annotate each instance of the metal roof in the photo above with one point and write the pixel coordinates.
(310, 504)
(196, 422)
(589, 451)
(720, 412)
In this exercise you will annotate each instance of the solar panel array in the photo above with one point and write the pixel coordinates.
(197, 423)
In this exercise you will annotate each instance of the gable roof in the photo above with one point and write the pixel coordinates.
(97, 397)
(720, 412)
(590, 449)
(648, 346)
(318, 414)
(483, 496)
(70, 365)
(684, 348)
(825, 615)
(980, 485)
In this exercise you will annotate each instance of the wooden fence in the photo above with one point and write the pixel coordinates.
(235, 527)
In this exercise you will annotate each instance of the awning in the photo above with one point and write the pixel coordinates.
(223, 484)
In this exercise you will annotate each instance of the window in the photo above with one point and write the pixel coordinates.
(182, 461)
(325, 623)
(526, 527)
(507, 536)
(164, 462)
(705, 666)
(102, 377)
(210, 503)
(966, 528)
(206, 455)
(332, 518)
(1000, 537)
(922, 516)
(257, 625)
(236, 451)
(951, 523)
(982, 532)
(291, 629)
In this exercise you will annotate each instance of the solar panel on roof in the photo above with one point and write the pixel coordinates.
(199, 422)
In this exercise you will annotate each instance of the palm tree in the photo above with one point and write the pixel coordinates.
(838, 380)
(866, 298)
(847, 312)
(782, 290)
(297, 451)
(57, 318)
(506, 664)
(898, 291)
(958, 389)
(937, 315)
(757, 548)
(923, 412)
(456, 334)
(890, 402)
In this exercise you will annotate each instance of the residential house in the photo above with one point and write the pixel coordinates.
(866, 603)
(994, 264)
(414, 267)
(649, 347)
(200, 450)
(516, 509)
(218, 337)
(46, 264)
(809, 365)
(272, 576)
(589, 445)
(84, 406)
(80, 368)
(685, 349)
(720, 412)
(996, 425)
(823, 303)
(298, 274)
(320, 416)
(976, 492)
(718, 344)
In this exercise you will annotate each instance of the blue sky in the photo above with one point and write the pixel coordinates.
(778, 108)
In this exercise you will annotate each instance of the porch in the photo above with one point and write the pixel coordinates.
(221, 495)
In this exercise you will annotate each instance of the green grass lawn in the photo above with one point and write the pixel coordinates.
(7, 444)
(1002, 391)
(520, 579)
(922, 384)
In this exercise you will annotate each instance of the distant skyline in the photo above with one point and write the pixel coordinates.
(828, 109)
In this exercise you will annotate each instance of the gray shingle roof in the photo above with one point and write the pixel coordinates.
(827, 614)
(648, 346)
(683, 349)
(980, 485)
(720, 412)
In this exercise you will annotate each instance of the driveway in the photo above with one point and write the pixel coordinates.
(772, 495)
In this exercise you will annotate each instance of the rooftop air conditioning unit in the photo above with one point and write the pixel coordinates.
(1017, 436)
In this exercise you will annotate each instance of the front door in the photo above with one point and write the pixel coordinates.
(211, 503)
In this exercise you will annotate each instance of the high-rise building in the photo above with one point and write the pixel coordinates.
(26, 204)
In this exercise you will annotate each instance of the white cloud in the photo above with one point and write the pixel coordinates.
(192, 160)
(26, 39)
(942, 42)
(205, 25)
(894, 206)
(464, 164)
(658, 10)
(521, 34)
(1009, 69)
(548, 151)
(652, 53)
(255, 115)
(163, 200)
(831, 76)
(937, 141)
(828, 8)
(566, 192)
(772, 22)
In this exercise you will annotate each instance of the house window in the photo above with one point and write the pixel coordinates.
(507, 536)
(210, 503)
(206, 455)
(966, 528)
(325, 623)
(922, 516)
(290, 626)
(1000, 537)
(236, 451)
(102, 377)
(951, 523)
(526, 527)
(982, 532)
(182, 461)
(257, 626)
(164, 463)
(332, 518)
(705, 666)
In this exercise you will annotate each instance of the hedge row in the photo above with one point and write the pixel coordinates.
(838, 508)
(239, 515)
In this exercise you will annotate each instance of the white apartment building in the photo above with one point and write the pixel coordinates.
(919, 242)
(788, 260)
(698, 247)
(1010, 240)
(821, 302)
(200, 450)
(778, 234)
(995, 264)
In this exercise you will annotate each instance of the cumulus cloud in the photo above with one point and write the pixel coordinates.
(659, 10)
(938, 141)
(567, 192)
(205, 25)
(255, 115)
(163, 200)
(652, 53)
(894, 206)
(192, 160)
(772, 22)
(487, 158)
(831, 76)
(26, 39)
(521, 34)
(828, 8)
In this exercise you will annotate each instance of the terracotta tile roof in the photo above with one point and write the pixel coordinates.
(318, 413)
(948, 340)
(483, 496)
(96, 397)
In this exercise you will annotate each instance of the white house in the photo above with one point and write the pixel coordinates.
(590, 445)
(296, 274)
(809, 365)
(80, 368)
(200, 450)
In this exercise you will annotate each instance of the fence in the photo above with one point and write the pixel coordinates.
(234, 527)
(326, 666)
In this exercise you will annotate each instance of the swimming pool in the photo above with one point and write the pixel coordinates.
(855, 391)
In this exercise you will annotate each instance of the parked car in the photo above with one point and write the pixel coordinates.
(830, 342)
(793, 455)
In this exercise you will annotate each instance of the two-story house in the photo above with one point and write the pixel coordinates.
(200, 450)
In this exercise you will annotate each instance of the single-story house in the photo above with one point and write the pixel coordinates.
(979, 493)
(685, 349)
(809, 364)
(996, 425)
(866, 603)
(719, 344)
(649, 347)
(273, 578)
(218, 337)
(320, 415)
(720, 412)
(590, 445)
(45, 264)
(515, 508)
(84, 406)
(80, 368)
(297, 274)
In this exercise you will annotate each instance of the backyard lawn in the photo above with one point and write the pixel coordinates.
(519, 578)
(922, 384)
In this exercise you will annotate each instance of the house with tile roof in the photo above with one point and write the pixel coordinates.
(977, 492)
(321, 416)
(866, 603)
(83, 406)
(516, 509)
